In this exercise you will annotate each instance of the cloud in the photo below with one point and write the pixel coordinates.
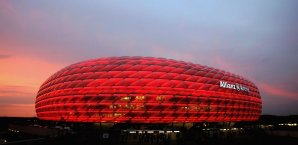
(12, 90)
(2, 56)
(7, 8)
(17, 110)
(16, 94)
(278, 91)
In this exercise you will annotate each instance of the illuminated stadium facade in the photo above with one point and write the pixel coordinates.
(146, 90)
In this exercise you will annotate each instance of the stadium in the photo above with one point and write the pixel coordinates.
(146, 90)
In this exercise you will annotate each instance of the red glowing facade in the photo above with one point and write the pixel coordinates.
(146, 90)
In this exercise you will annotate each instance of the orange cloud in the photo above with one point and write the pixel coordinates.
(16, 91)
(20, 79)
(19, 70)
(276, 91)
(17, 110)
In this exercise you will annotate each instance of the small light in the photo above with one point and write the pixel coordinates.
(149, 131)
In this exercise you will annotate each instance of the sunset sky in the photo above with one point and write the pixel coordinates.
(257, 39)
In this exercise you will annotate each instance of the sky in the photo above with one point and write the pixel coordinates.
(255, 39)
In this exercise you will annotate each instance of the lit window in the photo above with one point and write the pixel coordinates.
(160, 98)
(128, 98)
(117, 114)
(113, 106)
(140, 107)
(128, 106)
(140, 98)
(198, 108)
(186, 107)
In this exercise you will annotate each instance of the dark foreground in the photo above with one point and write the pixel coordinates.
(36, 132)
(193, 136)
(189, 138)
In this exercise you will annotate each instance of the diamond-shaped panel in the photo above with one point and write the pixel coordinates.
(145, 90)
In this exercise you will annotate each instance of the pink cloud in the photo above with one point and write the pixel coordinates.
(277, 91)
(7, 8)
(232, 66)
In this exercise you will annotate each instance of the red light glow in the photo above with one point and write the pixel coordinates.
(145, 90)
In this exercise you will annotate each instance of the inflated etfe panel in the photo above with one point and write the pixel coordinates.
(146, 90)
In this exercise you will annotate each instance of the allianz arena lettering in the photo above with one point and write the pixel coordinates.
(146, 90)
(236, 86)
